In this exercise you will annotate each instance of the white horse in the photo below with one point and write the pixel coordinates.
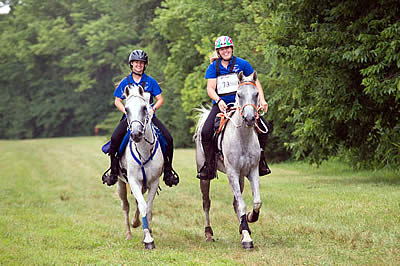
(240, 157)
(143, 161)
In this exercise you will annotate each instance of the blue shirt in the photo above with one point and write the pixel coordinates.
(240, 65)
(151, 86)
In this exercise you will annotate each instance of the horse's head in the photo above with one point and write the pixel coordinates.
(137, 114)
(247, 98)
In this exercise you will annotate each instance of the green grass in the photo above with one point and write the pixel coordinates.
(55, 210)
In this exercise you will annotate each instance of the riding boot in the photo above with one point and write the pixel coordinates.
(112, 178)
(170, 176)
(263, 168)
(209, 169)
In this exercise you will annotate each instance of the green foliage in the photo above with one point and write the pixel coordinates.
(336, 78)
(329, 69)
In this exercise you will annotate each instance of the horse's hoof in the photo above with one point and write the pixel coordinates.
(252, 216)
(136, 223)
(149, 245)
(208, 232)
(247, 245)
(128, 236)
(210, 239)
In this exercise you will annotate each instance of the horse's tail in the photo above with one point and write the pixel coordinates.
(202, 116)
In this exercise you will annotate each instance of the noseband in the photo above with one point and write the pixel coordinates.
(241, 108)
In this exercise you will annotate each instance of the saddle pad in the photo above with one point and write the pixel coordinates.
(106, 147)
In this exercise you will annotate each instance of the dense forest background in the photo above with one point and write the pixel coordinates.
(330, 69)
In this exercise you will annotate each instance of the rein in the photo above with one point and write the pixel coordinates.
(155, 140)
(143, 163)
(240, 109)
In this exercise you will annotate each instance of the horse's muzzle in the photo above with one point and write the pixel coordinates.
(137, 136)
(249, 119)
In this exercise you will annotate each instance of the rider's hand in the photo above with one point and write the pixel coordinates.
(222, 106)
(264, 105)
(151, 112)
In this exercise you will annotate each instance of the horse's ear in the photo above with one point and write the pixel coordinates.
(126, 91)
(240, 76)
(141, 90)
(255, 76)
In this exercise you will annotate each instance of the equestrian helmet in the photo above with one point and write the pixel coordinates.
(138, 55)
(223, 41)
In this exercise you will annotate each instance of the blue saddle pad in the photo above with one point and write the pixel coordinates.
(106, 147)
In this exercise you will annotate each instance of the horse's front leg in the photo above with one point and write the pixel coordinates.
(244, 229)
(254, 179)
(205, 191)
(122, 192)
(150, 199)
(235, 202)
(136, 188)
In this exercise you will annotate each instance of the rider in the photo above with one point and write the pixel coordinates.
(222, 83)
(138, 61)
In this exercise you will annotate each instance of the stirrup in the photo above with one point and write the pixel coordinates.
(202, 172)
(171, 178)
(105, 175)
(109, 178)
(206, 174)
(263, 169)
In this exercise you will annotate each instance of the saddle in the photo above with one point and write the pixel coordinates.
(221, 119)
(106, 147)
(220, 123)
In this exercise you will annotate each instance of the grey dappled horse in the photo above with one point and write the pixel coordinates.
(241, 155)
(143, 161)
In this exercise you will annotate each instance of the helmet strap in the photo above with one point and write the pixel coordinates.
(137, 74)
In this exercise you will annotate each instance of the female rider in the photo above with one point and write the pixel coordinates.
(222, 83)
(137, 61)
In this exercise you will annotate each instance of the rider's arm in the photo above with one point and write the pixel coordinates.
(211, 91)
(159, 102)
(263, 102)
(118, 103)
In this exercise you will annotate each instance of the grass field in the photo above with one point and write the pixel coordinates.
(55, 210)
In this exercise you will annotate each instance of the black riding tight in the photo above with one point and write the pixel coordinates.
(121, 129)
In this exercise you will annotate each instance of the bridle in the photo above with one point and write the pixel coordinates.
(140, 160)
(258, 111)
(146, 121)
(256, 108)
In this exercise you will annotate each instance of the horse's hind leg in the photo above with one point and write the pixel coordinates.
(136, 220)
(125, 207)
(205, 191)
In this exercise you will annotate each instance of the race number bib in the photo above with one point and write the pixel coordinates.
(227, 84)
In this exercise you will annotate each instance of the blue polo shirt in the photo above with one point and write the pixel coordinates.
(240, 65)
(151, 86)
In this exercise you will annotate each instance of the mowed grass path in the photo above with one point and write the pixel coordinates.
(55, 210)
